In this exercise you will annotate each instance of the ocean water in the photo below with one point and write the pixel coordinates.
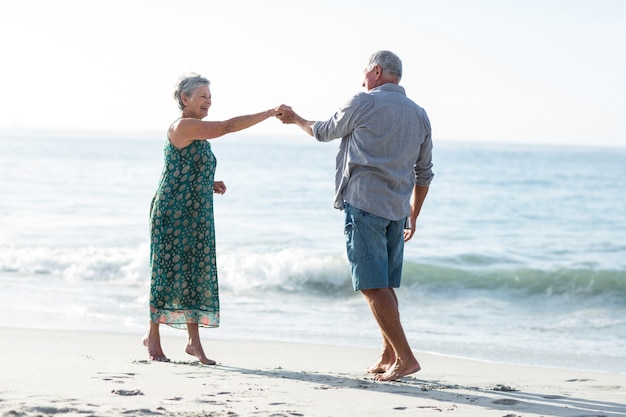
(519, 256)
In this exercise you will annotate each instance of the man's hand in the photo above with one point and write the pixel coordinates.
(286, 114)
(408, 233)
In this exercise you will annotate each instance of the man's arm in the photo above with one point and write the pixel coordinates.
(288, 116)
(417, 199)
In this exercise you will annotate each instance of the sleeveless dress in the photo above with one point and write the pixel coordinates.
(183, 285)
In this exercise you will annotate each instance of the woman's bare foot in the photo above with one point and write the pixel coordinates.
(154, 349)
(398, 370)
(194, 345)
(198, 352)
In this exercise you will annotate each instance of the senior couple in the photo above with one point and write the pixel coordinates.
(382, 177)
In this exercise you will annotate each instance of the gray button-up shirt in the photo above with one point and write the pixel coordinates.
(385, 149)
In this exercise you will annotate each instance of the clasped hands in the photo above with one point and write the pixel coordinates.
(285, 114)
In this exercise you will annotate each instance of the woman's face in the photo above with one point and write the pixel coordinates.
(198, 104)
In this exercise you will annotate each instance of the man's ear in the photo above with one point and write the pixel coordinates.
(378, 71)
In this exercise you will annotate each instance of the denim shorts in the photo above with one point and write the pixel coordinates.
(375, 247)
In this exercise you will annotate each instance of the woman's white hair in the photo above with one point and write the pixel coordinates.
(186, 85)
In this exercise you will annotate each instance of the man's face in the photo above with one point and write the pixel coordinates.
(370, 77)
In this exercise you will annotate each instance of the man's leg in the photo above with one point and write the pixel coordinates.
(388, 355)
(384, 306)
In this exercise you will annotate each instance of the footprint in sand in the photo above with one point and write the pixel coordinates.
(118, 378)
(126, 392)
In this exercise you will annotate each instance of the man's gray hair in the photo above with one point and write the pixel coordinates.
(186, 85)
(388, 61)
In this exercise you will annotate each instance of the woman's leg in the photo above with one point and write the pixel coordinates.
(194, 345)
(152, 340)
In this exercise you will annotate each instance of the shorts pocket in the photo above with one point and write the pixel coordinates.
(356, 247)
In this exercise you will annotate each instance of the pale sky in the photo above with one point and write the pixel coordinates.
(525, 71)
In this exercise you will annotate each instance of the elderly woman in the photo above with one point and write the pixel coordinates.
(183, 286)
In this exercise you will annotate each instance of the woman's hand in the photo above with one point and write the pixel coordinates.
(219, 187)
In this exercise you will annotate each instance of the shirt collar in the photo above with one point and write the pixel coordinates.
(389, 87)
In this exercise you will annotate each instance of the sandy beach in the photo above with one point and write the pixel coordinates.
(99, 374)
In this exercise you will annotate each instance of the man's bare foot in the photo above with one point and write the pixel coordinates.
(380, 368)
(398, 370)
(154, 349)
(386, 361)
(198, 352)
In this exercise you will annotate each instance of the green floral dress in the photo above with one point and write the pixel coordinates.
(183, 286)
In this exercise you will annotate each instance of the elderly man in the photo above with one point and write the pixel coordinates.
(382, 177)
